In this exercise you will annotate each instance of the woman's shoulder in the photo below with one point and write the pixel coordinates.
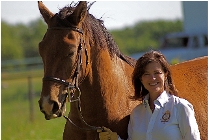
(181, 102)
(138, 108)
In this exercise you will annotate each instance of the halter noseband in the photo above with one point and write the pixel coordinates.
(71, 88)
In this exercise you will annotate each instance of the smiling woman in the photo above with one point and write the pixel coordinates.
(153, 85)
(152, 73)
(162, 115)
(154, 78)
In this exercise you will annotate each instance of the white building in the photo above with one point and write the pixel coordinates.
(193, 41)
(195, 16)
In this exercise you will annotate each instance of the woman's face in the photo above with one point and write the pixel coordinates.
(154, 78)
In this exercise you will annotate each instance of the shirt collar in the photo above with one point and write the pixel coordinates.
(162, 99)
(145, 101)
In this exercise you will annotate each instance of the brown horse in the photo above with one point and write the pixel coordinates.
(83, 63)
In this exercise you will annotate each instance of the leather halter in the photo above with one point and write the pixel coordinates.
(76, 70)
(71, 88)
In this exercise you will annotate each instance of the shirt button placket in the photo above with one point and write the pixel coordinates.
(150, 127)
(151, 123)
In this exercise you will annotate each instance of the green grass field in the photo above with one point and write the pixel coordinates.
(15, 113)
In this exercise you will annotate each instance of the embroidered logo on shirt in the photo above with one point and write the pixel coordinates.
(166, 116)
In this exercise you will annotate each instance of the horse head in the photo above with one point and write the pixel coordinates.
(62, 56)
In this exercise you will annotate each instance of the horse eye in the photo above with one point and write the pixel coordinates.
(71, 51)
(70, 54)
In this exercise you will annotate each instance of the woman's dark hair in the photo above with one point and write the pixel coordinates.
(152, 56)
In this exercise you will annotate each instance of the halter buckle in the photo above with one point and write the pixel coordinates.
(71, 93)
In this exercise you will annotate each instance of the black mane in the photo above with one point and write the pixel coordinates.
(98, 33)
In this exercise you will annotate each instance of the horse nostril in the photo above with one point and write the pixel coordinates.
(55, 107)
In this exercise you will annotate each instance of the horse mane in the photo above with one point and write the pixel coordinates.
(97, 31)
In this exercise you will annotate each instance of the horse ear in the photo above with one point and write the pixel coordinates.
(47, 14)
(79, 13)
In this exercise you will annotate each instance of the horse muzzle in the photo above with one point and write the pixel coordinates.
(52, 109)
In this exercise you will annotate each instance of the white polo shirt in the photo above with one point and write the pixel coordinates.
(172, 119)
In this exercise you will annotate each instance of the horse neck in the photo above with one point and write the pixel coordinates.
(107, 87)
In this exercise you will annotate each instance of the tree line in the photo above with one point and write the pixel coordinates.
(21, 40)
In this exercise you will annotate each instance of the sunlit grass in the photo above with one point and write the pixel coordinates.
(15, 116)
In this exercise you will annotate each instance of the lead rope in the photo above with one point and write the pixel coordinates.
(91, 128)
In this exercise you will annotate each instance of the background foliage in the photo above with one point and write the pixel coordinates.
(144, 35)
(21, 41)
